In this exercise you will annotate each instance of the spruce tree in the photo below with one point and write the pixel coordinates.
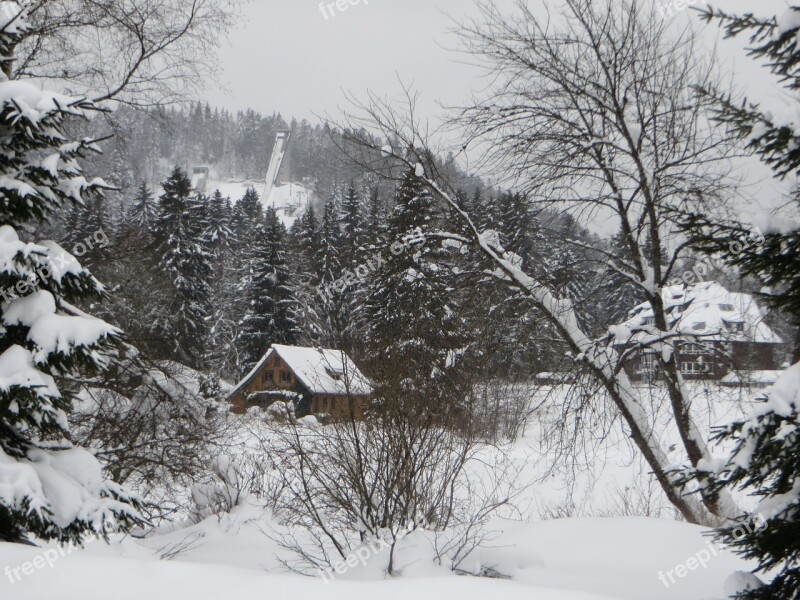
(52, 489)
(764, 461)
(271, 316)
(329, 258)
(143, 211)
(414, 330)
(353, 232)
(182, 221)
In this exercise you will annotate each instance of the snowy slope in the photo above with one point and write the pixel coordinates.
(290, 199)
(569, 559)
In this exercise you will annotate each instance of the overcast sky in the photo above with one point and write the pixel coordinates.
(289, 57)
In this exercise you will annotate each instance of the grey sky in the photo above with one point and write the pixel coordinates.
(288, 57)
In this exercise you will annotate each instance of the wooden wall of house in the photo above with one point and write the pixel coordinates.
(339, 407)
(744, 356)
(273, 374)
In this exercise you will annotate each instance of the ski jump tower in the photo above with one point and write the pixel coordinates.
(277, 163)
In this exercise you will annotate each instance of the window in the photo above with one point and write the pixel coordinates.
(734, 327)
(693, 368)
(648, 363)
(692, 349)
(726, 307)
(286, 377)
(699, 326)
(649, 321)
(269, 376)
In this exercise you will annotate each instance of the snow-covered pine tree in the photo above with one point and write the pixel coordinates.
(329, 257)
(220, 231)
(764, 461)
(354, 236)
(248, 208)
(143, 210)
(304, 249)
(221, 240)
(271, 315)
(376, 221)
(181, 224)
(413, 329)
(617, 293)
(516, 223)
(52, 489)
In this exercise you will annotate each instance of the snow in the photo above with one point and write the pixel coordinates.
(33, 101)
(17, 369)
(788, 21)
(756, 378)
(231, 556)
(70, 480)
(61, 334)
(11, 20)
(706, 310)
(767, 222)
(290, 200)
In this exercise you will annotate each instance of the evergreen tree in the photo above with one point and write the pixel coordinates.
(414, 330)
(56, 491)
(776, 261)
(249, 206)
(181, 224)
(219, 233)
(329, 260)
(617, 294)
(516, 224)
(353, 233)
(271, 314)
(764, 461)
(376, 222)
(143, 211)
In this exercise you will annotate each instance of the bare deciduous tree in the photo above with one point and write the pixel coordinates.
(139, 52)
(599, 115)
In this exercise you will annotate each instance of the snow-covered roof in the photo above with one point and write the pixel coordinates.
(319, 370)
(706, 310)
(751, 377)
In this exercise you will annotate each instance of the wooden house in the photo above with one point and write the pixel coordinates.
(715, 332)
(318, 381)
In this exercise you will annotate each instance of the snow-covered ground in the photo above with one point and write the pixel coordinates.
(607, 555)
(289, 199)
(232, 557)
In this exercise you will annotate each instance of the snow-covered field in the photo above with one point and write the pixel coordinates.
(609, 555)
(566, 559)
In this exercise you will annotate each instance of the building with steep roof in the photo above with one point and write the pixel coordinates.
(317, 380)
(715, 332)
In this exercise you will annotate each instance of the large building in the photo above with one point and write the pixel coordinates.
(318, 381)
(717, 333)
